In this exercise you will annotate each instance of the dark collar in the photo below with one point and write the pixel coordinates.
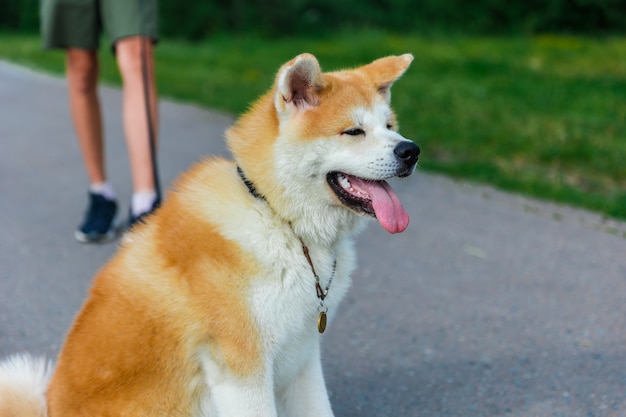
(249, 184)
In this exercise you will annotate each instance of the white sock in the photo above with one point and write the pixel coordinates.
(104, 189)
(142, 202)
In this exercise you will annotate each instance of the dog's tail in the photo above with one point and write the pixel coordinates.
(23, 383)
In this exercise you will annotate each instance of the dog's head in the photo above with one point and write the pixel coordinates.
(319, 146)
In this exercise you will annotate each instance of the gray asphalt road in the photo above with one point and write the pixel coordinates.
(488, 305)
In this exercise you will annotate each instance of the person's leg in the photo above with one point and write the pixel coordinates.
(99, 224)
(129, 52)
(82, 77)
(75, 27)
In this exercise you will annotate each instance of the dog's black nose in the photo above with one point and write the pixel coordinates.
(407, 152)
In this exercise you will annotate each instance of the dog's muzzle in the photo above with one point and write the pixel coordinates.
(407, 153)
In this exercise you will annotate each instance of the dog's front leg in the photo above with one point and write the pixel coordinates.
(251, 397)
(306, 395)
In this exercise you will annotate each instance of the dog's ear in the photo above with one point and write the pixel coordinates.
(385, 71)
(298, 83)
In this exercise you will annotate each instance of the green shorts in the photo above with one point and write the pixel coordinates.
(80, 23)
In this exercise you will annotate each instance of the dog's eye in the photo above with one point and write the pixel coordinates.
(354, 132)
(389, 126)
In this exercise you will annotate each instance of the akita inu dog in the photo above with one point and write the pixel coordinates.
(215, 306)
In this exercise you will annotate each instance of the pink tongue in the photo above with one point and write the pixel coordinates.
(389, 211)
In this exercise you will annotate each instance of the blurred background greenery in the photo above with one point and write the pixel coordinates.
(197, 20)
(526, 95)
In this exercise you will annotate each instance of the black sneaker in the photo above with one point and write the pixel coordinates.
(100, 224)
(133, 220)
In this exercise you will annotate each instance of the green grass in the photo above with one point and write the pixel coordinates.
(545, 116)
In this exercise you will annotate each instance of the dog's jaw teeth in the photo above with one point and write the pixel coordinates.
(344, 182)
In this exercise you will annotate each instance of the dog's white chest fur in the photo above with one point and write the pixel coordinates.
(284, 304)
(283, 298)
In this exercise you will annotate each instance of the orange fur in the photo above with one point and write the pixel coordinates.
(173, 291)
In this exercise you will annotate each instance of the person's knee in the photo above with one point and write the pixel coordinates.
(82, 70)
(131, 55)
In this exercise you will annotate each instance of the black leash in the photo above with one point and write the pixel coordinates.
(149, 115)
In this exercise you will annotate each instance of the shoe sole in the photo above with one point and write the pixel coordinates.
(104, 238)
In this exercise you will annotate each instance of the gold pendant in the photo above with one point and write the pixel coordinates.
(321, 322)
